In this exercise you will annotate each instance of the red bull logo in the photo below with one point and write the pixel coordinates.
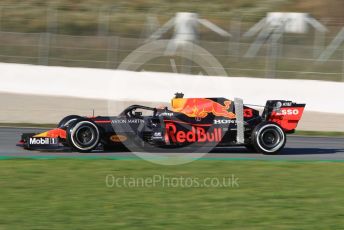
(196, 134)
(201, 107)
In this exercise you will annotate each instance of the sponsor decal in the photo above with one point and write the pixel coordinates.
(127, 121)
(217, 122)
(43, 141)
(201, 107)
(118, 138)
(196, 134)
(287, 118)
(288, 112)
(287, 103)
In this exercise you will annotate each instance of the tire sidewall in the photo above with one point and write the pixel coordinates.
(66, 121)
(258, 130)
(72, 130)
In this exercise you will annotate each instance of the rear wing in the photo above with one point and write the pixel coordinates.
(285, 113)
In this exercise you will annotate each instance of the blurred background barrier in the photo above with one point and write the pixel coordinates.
(100, 34)
(292, 61)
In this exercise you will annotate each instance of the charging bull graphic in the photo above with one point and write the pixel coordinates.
(201, 107)
(54, 133)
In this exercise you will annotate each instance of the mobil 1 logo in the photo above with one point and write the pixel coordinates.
(43, 141)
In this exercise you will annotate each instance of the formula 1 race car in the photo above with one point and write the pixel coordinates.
(193, 122)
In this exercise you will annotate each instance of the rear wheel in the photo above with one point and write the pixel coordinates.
(268, 138)
(83, 135)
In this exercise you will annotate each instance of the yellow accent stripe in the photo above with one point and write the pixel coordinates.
(45, 134)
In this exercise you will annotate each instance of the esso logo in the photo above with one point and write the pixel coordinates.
(289, 112)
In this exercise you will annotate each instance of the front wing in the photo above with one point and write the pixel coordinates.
(51, 139)
(29, 141)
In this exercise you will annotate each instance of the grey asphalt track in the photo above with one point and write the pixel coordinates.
(297, 148)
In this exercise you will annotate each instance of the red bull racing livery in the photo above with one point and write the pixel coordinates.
(190, 122)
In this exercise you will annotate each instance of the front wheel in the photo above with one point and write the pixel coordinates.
(67, 121)
(268, 138)
(83, 135)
